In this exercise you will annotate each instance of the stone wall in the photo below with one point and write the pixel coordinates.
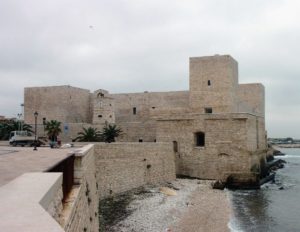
(124, 166)
(104, 169)
(139, 124)
(145, 102)
(81, 208)
(55, 206)
(79, 211)
(256, 134)
(62, 103)
(251, 99)
(229, 141)
(34, 201)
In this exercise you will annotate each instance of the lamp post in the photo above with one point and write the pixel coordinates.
(22, 114)
(19, 122)
(35, 129)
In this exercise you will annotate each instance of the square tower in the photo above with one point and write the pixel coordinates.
(103, 107)
(213, 84)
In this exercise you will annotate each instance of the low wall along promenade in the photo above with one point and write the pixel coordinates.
(38, 201)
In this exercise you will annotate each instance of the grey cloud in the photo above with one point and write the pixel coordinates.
(132, 46)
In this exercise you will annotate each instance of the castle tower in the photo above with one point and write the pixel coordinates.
(103, 108)
(213, 84)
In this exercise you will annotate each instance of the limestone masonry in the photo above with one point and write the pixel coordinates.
(216, 128)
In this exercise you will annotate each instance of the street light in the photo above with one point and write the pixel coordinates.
(35, 122)
(22, 114)
(19, 122)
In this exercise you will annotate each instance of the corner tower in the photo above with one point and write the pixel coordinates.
(213, 84)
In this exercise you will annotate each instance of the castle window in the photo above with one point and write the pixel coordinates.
(134, 110)
(175, 146)
(100, 116)
(200, 139)
(209, 83)
(208, 110)
(140, 140)
(100, 95)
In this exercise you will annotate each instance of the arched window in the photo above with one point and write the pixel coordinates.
(200, 139)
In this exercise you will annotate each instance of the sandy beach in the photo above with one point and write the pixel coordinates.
(189, 206)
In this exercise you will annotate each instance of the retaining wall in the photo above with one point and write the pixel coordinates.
(124, 166)
(34, 201)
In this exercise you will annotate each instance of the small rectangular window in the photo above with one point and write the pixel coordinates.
(140, 140)
(200, 139)
(134, 110)
(209, 83)
(175, 146)
(208, 110)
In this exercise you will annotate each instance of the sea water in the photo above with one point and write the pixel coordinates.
(274, 207)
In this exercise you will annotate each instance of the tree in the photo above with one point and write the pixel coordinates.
(9, 126)
(89, 135)
(110, 132)
(53, 129)
(4, 131)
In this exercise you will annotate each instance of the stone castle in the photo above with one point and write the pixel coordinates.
(216, 128)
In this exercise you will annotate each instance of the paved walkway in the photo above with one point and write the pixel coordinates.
(4, 152)
(15, 161)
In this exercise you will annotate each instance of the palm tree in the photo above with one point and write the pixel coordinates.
(88, 135)
(9, 126)
(110, 132)
(15, 125)
(53, 129)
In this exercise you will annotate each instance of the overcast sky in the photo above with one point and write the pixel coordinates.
(135, 45)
